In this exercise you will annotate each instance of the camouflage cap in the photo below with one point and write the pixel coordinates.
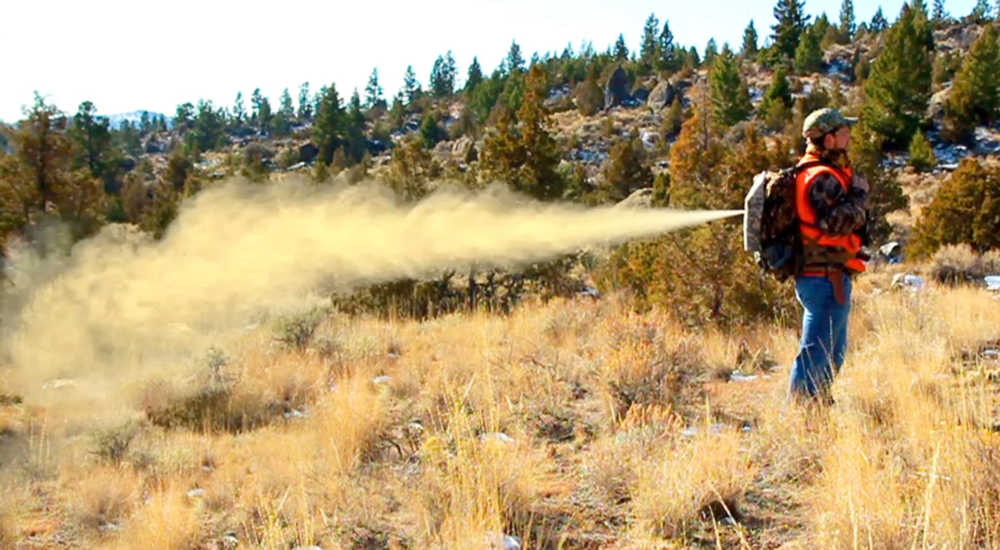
(823, 121)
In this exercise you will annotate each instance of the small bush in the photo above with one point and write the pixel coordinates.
(922, 155)
(111, 444)
(959, 263)
(295, 332)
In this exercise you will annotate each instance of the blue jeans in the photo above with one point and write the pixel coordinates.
(824, 336)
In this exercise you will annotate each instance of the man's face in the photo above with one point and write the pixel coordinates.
(839, 140)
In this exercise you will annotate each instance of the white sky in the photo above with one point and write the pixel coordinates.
(132, 55)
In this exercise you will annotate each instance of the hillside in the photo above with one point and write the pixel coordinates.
(464, 318)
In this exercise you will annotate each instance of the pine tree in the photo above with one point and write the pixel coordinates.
(285, 116)
(649, 51)
(922, 155)
(878, 24)
(779, 91)
(411, 86)
(305, 111)
(621, 51)
(980, 12)
(791, 22)
(261, 112)
(729, 94)
(209, 127)
(975, 94)
(520, 151)
(474, 76)
(354, 130)
(625, 170)
(668, 51)
(92, 135)
(938, 14)
(966, 209)
(749, 48)
(514, 62)
(899, 86)
(711, 51)
(328, 129)
(808, 55)
(184, 116)
(847, 23)
(373, 91)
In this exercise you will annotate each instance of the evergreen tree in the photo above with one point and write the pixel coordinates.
(305, 111)
(328, 129)
(285, 116)
(649, 50)
(184, 117)
(668, 51)
(711, 50)
(779, 91)
(878, 24)
(975, 94)
(373, 91)
(980, 12)
(442, 81)
(474, 76)
(209, 127)
(920, 6)
(39, 176)
(899, 86)
(922, 155)
(261, 112)
(938, 14)
(411, 86)
(749, 48)
(966, 210)
(808, 55)
(791, 22)
(514, 62)
(354, 132)
(521, 151)
(92, 135)
(847, 22)
(729, 94)
(430, 131)
(239, 114)
(625, 170)
(621, 51)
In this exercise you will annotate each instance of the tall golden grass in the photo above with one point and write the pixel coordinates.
(572, 424)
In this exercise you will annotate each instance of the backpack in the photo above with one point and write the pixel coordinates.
(771, 222)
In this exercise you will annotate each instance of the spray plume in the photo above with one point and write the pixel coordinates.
(121, 305)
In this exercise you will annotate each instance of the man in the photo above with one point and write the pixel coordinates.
(831, 202)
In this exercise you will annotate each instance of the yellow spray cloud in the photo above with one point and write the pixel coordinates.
(122, 305)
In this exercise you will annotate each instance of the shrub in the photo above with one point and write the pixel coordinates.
(959, 263)
(111, 444)
(922, 155)
(965, 210)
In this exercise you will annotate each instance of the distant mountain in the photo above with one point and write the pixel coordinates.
(133, 117)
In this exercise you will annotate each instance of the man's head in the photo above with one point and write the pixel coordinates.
(828, 128)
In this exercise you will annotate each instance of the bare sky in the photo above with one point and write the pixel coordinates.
(132, 55)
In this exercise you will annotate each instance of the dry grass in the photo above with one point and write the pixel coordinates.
(576, 424)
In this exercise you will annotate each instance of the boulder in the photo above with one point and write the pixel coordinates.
(464, 149)
(662, 96)
(640, 198)
(308, 152)
(616, 90)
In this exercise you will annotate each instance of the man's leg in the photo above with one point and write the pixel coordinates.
(811, 373)
(839, 322)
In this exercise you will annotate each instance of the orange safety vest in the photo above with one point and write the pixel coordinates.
(811, 234)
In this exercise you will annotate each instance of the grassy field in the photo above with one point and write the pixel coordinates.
(571, 424)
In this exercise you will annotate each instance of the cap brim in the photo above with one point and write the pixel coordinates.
(851, 120)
